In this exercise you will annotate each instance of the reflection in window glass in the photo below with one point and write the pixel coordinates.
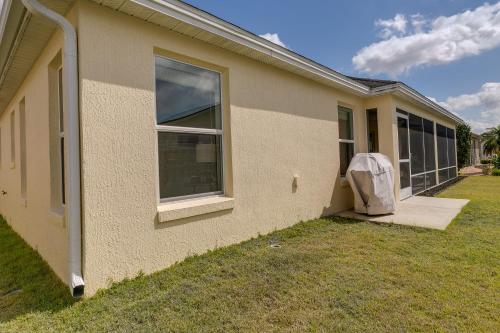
(189, 164)
(190, 158)
(186, 95)
(345, 123)
(346, 138)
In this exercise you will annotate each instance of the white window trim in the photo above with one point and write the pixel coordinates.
(343, 178)
(12, 121)
(61, 139)
(190, 130)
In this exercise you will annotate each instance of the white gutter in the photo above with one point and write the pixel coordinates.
(72, 141)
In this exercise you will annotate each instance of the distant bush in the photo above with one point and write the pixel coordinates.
(495, 172)
(463, 144)
(496, 162)
(486, 161)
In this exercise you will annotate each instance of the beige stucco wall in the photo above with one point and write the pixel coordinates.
(277, 125)
(33, 218)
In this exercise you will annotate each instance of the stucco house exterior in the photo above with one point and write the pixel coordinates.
(134, 133)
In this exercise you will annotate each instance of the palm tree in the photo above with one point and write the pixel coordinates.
(491, 139)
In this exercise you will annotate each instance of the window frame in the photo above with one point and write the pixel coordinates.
(22, 148)
(190, 130)
(351, 141)
(12, 120)
(60, 134)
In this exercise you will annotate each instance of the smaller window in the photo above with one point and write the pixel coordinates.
(12, 139)
(372, 130)
(346, 138)
(61, 132)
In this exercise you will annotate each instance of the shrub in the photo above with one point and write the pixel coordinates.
(496, 162)
(495, 172)
(485, 161)
(463, 144)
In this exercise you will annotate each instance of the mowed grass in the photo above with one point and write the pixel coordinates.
(328, 275)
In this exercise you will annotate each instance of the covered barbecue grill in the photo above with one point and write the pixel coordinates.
(371, 177)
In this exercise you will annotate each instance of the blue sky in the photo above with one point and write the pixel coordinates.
(450, 54)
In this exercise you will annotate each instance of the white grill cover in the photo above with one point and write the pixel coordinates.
(371, 177)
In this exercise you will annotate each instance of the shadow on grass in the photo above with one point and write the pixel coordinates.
(27, 284)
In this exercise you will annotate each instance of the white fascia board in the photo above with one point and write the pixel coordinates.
(207, 22)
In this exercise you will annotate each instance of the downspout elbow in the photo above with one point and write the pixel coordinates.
(72, 139)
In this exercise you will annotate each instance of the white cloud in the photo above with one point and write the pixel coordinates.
(392, 27)
(481, 109)
(273, 38)
(418, 22)
(441, 41)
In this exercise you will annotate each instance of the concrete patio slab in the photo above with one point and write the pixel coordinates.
(425, 212)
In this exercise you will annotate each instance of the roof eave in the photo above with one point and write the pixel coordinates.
(415, 95)
(205, 21)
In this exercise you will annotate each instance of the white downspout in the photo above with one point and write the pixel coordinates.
(72, 140)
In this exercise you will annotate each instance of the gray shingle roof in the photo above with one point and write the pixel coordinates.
(372, 83)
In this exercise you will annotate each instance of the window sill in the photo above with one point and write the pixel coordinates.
(183, 209)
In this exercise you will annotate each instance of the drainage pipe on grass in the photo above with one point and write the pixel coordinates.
(72, 140)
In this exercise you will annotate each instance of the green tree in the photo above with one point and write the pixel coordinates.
(463, 144)
(491, 141)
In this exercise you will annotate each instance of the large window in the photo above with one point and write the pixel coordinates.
(346, 138)
(189, 128)
(446, 153)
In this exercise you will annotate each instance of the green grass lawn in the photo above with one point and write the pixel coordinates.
(328, 275)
